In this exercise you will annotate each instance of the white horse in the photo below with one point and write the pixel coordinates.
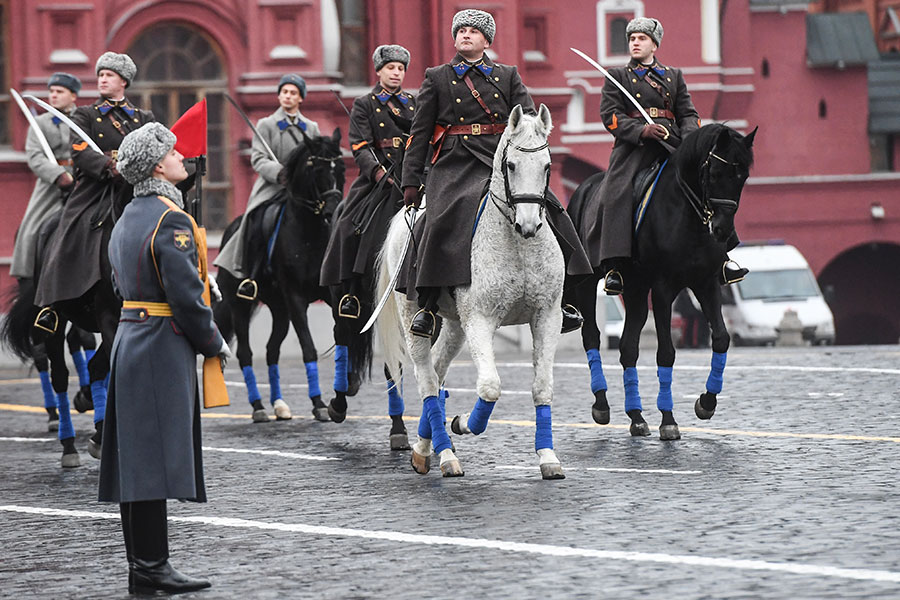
(517, 277)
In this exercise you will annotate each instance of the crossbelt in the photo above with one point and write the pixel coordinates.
(154, 309)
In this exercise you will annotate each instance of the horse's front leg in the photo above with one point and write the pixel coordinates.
(399, 436)
(586, 293)
(710, 298)
(545, 326)
(59, 376)
(297, 307)
(479, 333)
(635, 316)
(280, 326)
(240, 316)
(665, 358)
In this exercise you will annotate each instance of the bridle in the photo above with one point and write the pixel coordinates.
(318, 200)
(510, 201)
(706, 206)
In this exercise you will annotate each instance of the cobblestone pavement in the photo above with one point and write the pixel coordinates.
(789, 492)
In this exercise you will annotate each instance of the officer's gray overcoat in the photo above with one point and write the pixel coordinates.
(151, 438)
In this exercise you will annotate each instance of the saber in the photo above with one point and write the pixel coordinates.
(622, 89)
(410, 221)
(34, 126)
(69, 123)
(252, 128)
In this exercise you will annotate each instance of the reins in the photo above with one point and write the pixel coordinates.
(510, 201)
(705, 207)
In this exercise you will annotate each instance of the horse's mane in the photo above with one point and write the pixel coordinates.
(697, 145)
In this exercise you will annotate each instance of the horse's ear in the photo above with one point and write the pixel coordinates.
(544, 115)
(336, 136)
(748, 139)
(515, 116)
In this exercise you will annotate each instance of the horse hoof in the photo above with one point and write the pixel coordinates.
(552, 471)
(260, 416)
(282, 410)
(399, 441)
(639, 429)
(83, 400)
(701, 412)
(321, 414)
(669, 432)
(94, 448)
(601, 417)
(451, 468)
(458, 427)
(53, 425)
(70, 461)
(420, 464)
(335, 415)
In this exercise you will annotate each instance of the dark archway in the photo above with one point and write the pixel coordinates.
(862, 287)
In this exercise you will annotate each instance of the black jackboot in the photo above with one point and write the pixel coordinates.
(425, 321)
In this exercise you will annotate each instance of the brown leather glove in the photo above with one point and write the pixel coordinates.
(411, 196)
(654, 132)
(65, 181)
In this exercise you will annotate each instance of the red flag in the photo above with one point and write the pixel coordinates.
(190, 130)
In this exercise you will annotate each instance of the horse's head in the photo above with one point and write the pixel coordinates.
(315, 173)
(522, 165)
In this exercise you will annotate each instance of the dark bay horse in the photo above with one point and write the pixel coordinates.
(681, 243)
(293, 254)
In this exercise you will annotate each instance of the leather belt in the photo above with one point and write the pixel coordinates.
(64, 162)
(477, 129)
(394, 142)
(654, 113)
(153, 309)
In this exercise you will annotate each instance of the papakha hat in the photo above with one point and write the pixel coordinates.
(479, 19)
(390, 53)
(142, 150)
(118, 63)
(651, 27)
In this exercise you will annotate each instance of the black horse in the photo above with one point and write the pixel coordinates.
(681, 243)
(295, 228)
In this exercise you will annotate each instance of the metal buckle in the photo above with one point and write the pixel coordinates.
(654, 112)
(476, 129)
(398, 141)
(475, 94)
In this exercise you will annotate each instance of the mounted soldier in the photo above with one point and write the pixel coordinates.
(73, 261)
(282, 131)
(661, 91)
(463, 107)
(379, 129)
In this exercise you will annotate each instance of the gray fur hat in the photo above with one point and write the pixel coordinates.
(480, 20)
(118, 63)
(390, 53)
(293, 79)
(65, 80)
(651, 27)
(142, 149)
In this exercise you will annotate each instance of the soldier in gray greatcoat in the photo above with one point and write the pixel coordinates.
(283, 131)
(152, 448)
(457, 130)
(54, 178)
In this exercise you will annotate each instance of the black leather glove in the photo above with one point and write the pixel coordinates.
(411, 196)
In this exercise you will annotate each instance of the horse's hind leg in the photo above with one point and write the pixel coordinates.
(711, 302)
(82, 401)
(635, 316)
(545, 332)
(241, 311)
(297, 307)
(59, 375)
(337, 407)
(280, 326)
(42, 364)
(399, 436)
(590, 340)
(665, 358)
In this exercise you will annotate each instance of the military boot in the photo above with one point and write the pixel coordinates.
(732, 272)
(572, 319)
(47, 320)
(349, 307)
(149, 576)
(423, 324)
(613, 285)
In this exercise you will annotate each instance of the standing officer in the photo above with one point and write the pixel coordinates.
(72, 264)
(283, 131)
(152, 448)
(379, 129)
(462, 110)
(662, 92)
(54, 178)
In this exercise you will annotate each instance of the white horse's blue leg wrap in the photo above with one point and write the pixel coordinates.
(47, 388)
(598, 380)
(716, 373)
(442, 402)
(478, 418)
(424, 425)
(98, 395)
(439, 438)
(395, 399)
(632, 395)
(84, 378)
(312, 378)
(341, 368)
(250, 382)
(66, 429)
(543, 433)
(664, 399)
(274, 383)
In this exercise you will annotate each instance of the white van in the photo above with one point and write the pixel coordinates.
(779, 279)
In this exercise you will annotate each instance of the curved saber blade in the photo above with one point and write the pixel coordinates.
(606, 74)
(34, 126)
(252, 128)
(410, 221)
(69, 123)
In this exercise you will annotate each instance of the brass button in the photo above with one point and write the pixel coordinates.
(668, 79)
(496, 79)
(638, 95)
(458, 100)
(465, 137)
(633, 80)
(99, 119)
(496, 95)
(135, 120)
(99, 135)
(462, 119)
(496, 115)
(381, 124)
(142, 314)
(412, 108)
(453, 82)
(377, 110)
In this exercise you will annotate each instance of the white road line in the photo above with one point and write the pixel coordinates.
(502, 393)
(518, 547)
(25, 439)
(269, 453)
(729, 368)
(608, 469)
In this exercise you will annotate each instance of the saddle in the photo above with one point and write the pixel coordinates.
(644, 184)
(263, 228)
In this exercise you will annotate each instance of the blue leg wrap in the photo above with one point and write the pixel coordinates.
(442, 402)
(478, 418)
(250, 382)
(439, 438)
(47, 388)
(341, 368)
(84, 378)
(312, 378)
(88, 355)
(543, 433)
(598, 381)
(274, 383)
(66, 429)
(98, 394)
(424, 425)
(395, 399)
(716, 372)
(664, 399)
(632, 395)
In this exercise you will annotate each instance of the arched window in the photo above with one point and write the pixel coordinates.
(618, 43)
(178, 66)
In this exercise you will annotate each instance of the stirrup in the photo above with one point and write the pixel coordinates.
(247, 296)
(613, 291)
(428, 334)
(348, 315)
(47, 320)
(738, 272)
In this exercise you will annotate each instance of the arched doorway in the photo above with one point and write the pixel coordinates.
(179, 65)
(862, 286)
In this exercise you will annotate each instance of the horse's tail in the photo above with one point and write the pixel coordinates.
(390, 326)
(359, 349)
(15, 330)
